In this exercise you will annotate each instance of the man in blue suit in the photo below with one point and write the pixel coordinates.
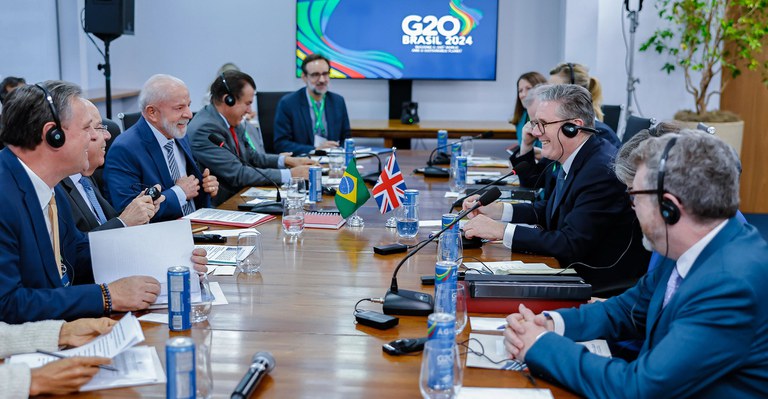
(156, 151)
(703, 312)
(587, 221)
(44, 258)
(312, 117)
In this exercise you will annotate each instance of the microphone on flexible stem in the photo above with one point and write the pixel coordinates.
(434, 171)
(522, 167)
(269, 207)
(372, 177)
(262, 364)
(414, 303)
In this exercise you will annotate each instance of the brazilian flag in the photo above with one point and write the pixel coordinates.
(352, 192)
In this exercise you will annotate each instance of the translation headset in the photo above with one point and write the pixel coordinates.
(570, 70)
(570, 129)
(55, 135)
(669, 211)
(229, 99)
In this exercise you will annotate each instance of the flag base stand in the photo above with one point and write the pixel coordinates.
(355, 221)
(391, 223)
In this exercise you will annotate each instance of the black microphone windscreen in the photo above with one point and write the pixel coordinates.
(215, 139)
(522, 168)
(487, 135)
(491, 195)
(265, 358)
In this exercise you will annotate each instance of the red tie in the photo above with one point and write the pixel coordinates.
(234, 136)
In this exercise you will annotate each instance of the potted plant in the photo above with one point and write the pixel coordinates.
(706, 38)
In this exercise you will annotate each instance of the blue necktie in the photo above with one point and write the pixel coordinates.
(187, 208)
(91, 196)
(672, 285)
(559, 187)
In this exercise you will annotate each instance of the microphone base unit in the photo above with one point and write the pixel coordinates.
(372, 178)
(408, 303)
(441, 159)
(269, 208)
(434, 171)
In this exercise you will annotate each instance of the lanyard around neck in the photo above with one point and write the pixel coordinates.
(318, 107)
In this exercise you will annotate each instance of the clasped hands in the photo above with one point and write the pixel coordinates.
(522, 331)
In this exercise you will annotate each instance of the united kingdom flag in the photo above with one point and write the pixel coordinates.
(389, 190)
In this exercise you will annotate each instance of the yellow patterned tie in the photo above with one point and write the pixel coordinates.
(53, 216)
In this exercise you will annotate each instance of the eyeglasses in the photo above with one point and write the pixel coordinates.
(101, 127)
(537, 124)
(633, 193)
(317, 75)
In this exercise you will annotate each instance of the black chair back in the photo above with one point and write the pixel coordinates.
(129, 119)
(266, 103)
(634, 125)
(612, 115)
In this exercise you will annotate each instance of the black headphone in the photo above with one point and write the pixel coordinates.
(669, 211)
(55, 135)
(570, 129)
(570, 70)
(229, 99)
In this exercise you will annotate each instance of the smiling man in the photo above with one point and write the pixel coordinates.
(156, 151)
(586, 222)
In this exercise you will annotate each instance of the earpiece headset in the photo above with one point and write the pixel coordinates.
(570, 129)
(570, 70)
(55, 135)
(229, 99)
(669, 211)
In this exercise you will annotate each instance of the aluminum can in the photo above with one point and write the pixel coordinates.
(447, 219)
(442, 141)
(446, 281)
(411, 197)
(315, 184)
(349, 150)
(461, 173)
(179, 301)
(180, 368)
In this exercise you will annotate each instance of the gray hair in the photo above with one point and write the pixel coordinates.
(155, 89)
(573, 101)
(701, 171)
(624, 169)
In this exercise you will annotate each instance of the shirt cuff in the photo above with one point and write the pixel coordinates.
(509, 234)
(285, 175)
(281, 162)
(558, 320)
(507, 212)
(121, 221)
(180, 195)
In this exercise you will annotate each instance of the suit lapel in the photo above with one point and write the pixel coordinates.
(82, 206)
(306, 119)
(109, 211)
(576, 166)
(657, 300)
(155, 153)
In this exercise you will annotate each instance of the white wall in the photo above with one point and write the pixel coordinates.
(192, 38)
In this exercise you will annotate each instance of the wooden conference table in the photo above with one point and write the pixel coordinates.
(397, 134)
(299, 308)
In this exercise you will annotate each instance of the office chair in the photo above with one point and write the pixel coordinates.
(612, 115)
(129, 119)
(266, 105)
(634, 125)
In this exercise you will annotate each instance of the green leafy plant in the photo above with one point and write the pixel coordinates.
(706, 37)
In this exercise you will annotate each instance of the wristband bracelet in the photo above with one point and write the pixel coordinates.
(107, 299)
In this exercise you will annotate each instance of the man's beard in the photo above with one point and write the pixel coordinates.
(173, 129)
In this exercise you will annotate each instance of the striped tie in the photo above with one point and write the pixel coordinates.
(91, 196)
(187, 208)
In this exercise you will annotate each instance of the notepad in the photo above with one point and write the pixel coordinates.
(228, 218)
(323, 220)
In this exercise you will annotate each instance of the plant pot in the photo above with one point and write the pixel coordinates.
(730, 132)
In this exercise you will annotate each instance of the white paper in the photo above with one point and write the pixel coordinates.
(493, 347)
(488, 324)
(231, 232)
(220, 254)
(223, 216)
(504, 393)
(269, 193)
(159, 318)
(517, 267)
(451, 194)
(430, 223)
(147, 250)
(225, 271)
(218, 297)
(136, 366)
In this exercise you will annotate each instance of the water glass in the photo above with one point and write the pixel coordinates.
(441, 370)
(249, 252)
(203, 338)
(297, 189)
(449, 247)
(202, 308)
(456, 306)
(293, 217)
(407, 218)
(468, 146)
(336, 163)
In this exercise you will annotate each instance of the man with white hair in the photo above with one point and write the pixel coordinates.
(156, 151)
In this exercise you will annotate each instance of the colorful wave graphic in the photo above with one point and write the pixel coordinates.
(469, 18)
(311, 19)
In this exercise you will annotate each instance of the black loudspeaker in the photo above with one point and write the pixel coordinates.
(410, 114)
(109, 18)
(669, 211)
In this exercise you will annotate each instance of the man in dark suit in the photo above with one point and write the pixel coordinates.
(156, 151)
(43, 255)
(312, 117)
(587, 221)
(703, 312)
(234, 162)
(90, 210)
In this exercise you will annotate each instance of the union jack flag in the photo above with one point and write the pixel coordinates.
(389, 190)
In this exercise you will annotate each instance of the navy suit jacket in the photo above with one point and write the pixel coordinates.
(30, 286)
(593, 223)
(710, 341)
(82, 214)
(293, 125)
(135, 160)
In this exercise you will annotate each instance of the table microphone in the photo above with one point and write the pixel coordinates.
(372, 177)
(434, 171)
(522, 167)
(261, 365)
(414, 303)
(269, 207)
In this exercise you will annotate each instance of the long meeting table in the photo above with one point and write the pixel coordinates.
(300, 307)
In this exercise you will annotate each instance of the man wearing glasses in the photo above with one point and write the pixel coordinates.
(586, 222)
(312, 117)
(89, 208)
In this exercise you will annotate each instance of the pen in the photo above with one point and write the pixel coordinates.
(110, 368)
(199, 229)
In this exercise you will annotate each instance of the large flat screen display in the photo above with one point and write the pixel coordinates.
(400, 39)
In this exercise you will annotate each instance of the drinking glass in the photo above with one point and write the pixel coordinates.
(441, 370)
(456, 306)
(201, 309)
(336, 163)
(249, 252)
(407, 220)
(449, 247)
(293, 217)
(468, 146)
(203, 338)
(297, 189)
